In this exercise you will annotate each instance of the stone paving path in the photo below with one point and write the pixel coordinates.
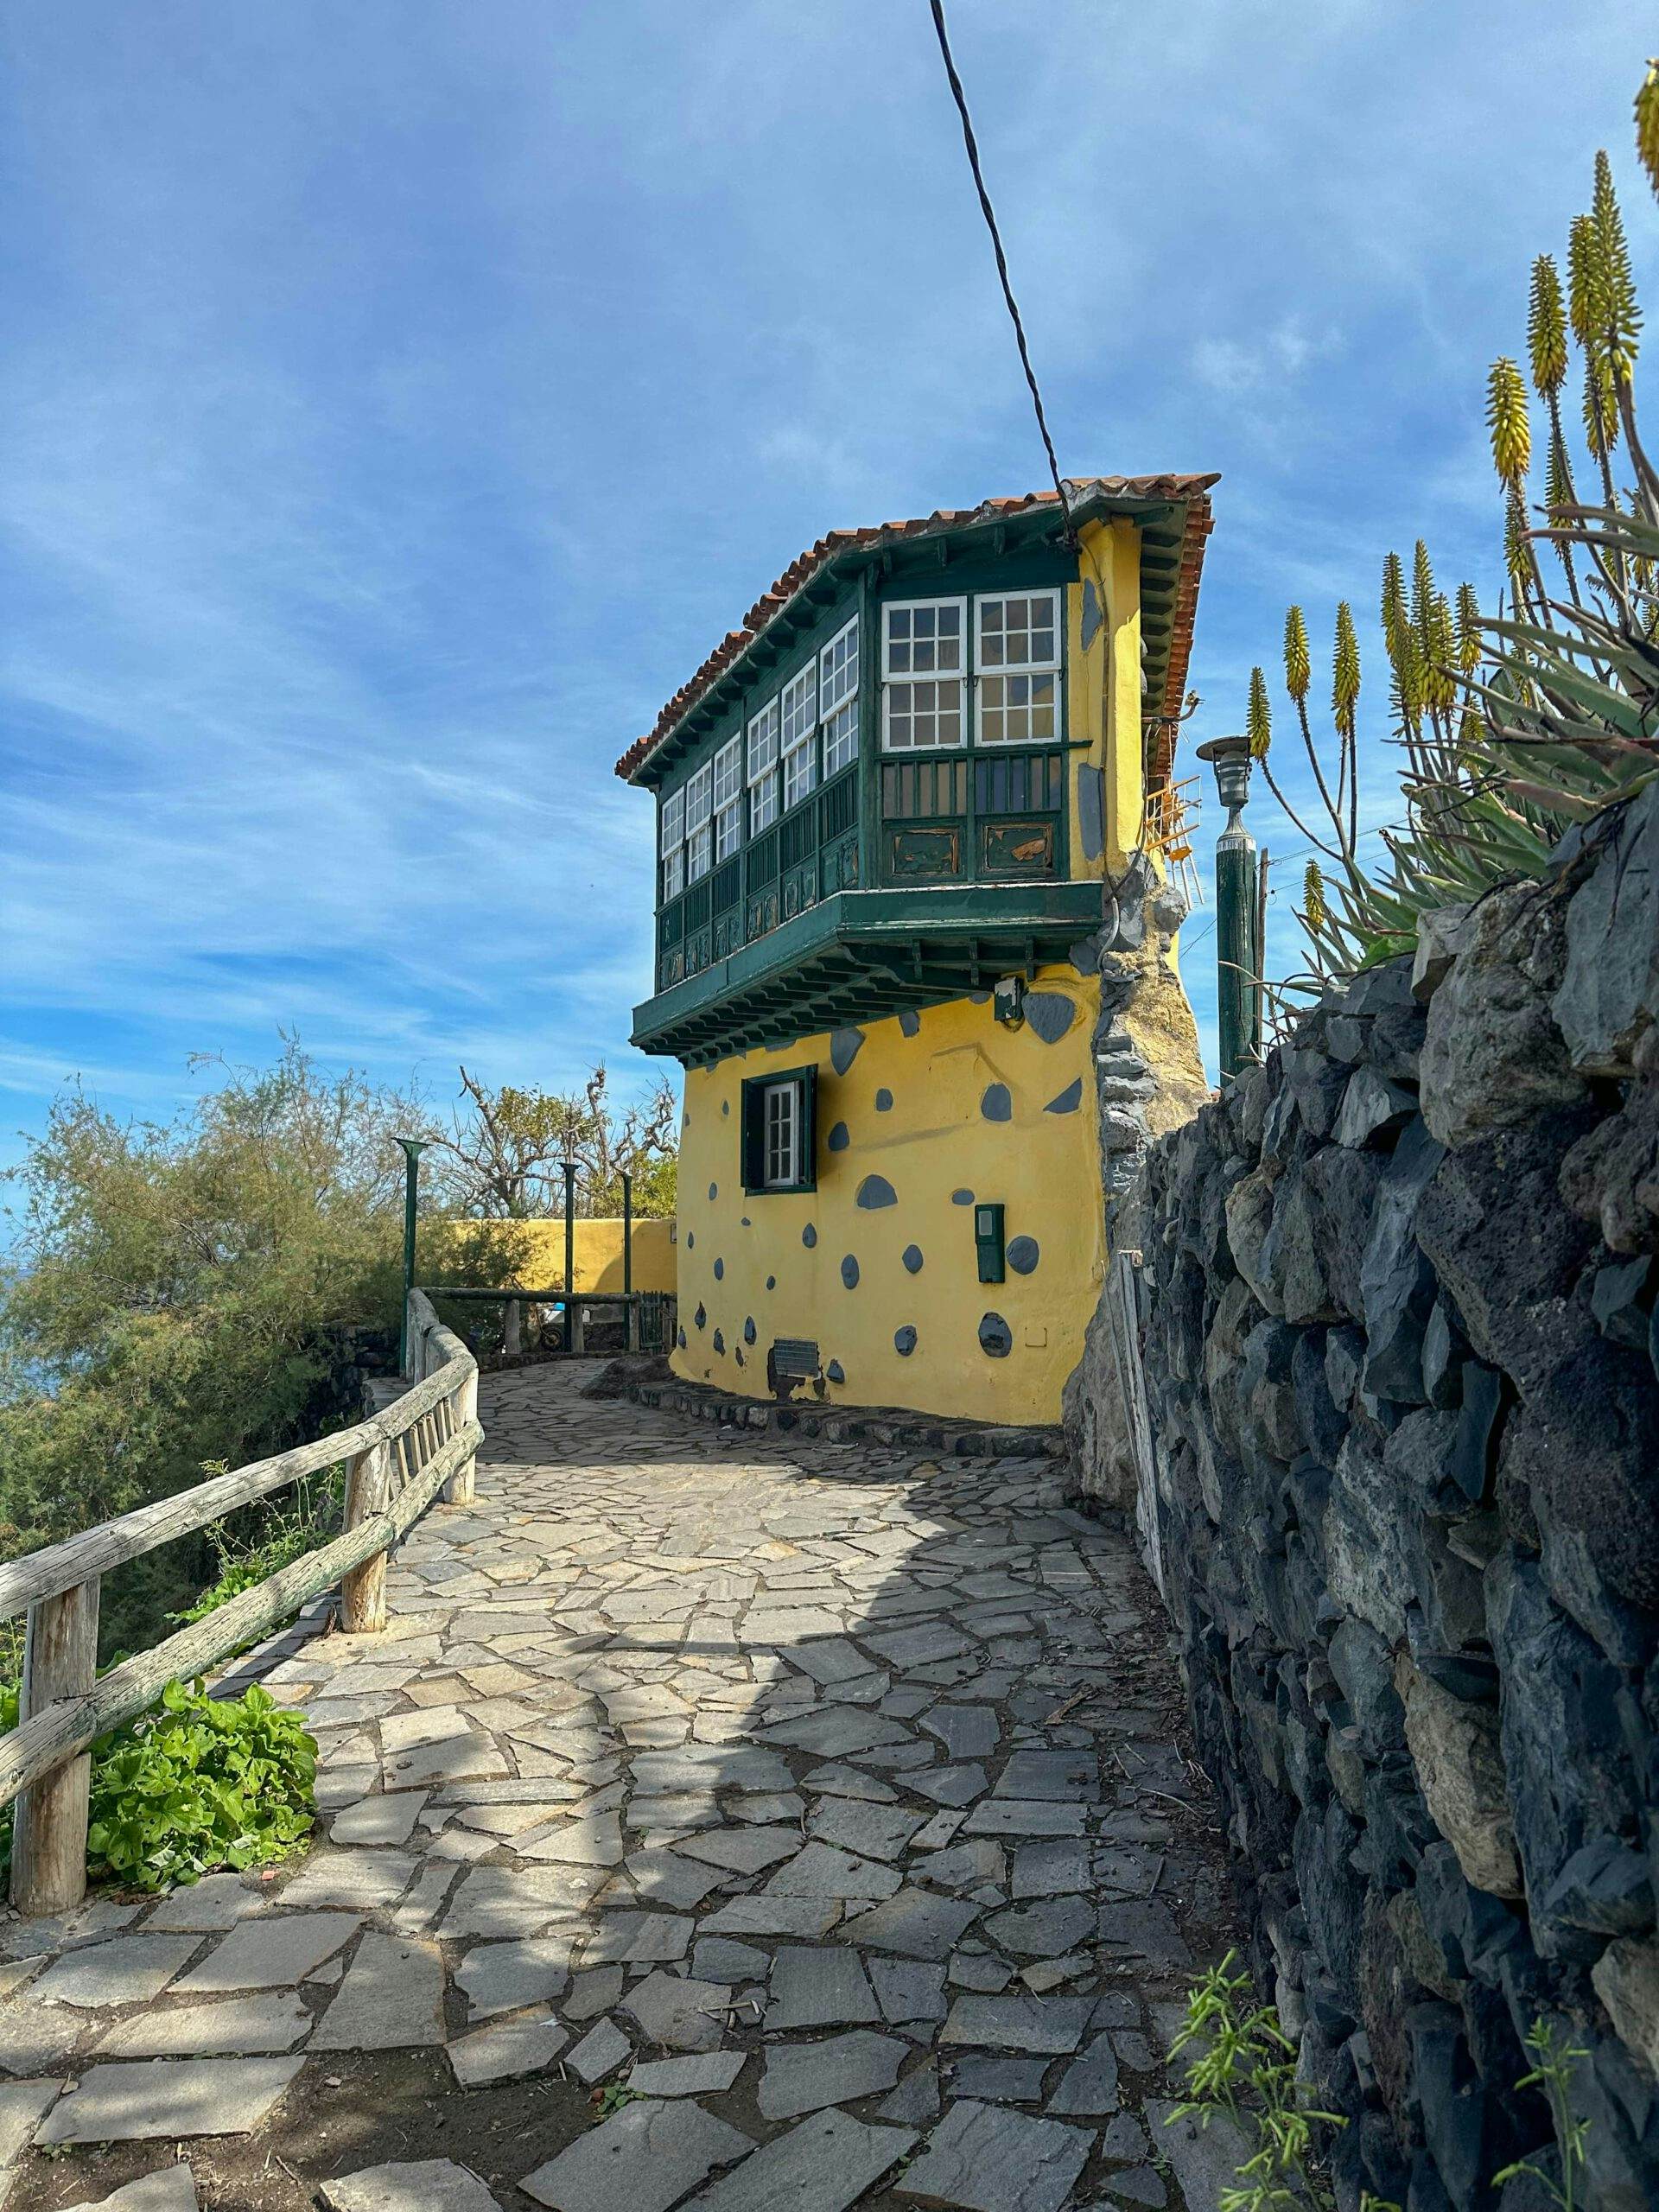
(814, 1812)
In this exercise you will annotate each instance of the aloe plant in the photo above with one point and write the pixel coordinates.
(1514, 724)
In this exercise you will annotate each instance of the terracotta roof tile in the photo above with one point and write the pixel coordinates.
(1131, 490)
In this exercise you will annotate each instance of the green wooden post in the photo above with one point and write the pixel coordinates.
(569, 1168)
(1238, 955)
(413, 1147)
(627, 1234)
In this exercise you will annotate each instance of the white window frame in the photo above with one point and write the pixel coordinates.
(670, 844)
(798, 731)
(699, 809)
(894, 680)
(1015, 682)
(780, 1143)
(729, 798)
(838, 667)
(763, 767)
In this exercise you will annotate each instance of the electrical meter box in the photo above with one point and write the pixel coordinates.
(988, 1242)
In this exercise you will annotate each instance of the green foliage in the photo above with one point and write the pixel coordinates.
(196, 1783)
(1555, 2055)
(1517, 724)
(611, 2099)
(199, 1784)
(1245, 2065)
(309, 1520)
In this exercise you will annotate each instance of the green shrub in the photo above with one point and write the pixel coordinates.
(195, 1784)
(198, 1784)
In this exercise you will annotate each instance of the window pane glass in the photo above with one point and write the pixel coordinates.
(673, 821)
(798, 705)
(674, 874)
(699, 852)
(841, 737)
(922, 638)
(838, 670)
(763, 741)
(729, 771)
(763, 802)
(1020, 633)
(699, 796)
(1016, 709)
(800, 772)
(782, 1122)
(728, 830)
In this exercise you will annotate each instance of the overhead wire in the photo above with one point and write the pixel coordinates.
(989, 214)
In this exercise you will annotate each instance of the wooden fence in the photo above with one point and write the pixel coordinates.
(396, 1465)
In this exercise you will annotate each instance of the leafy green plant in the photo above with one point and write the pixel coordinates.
(611, 2099)
(1553, 2056)
(1245, 2065)
(197, 1783)
(1518, 724)
(290, 1531)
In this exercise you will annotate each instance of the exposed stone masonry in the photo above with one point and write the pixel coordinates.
(1400, 1355)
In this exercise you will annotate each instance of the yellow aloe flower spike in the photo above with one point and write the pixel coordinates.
(1647, 124)
(1345, 671)
(1258, 720)
(1547, 328)
(1298, 668)
(1506, 413)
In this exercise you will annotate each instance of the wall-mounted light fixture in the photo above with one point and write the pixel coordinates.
(1008, 1001)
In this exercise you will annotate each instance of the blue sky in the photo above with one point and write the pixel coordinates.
(401, 399)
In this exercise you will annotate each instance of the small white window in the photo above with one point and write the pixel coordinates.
(923, 661)
(763, 768)
(700, 798)
(783, 1136)
(799, 730)
(728, 799)
(673, 874)
(838, 700)
(1018, 659)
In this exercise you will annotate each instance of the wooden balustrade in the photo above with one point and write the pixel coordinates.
(396, 1465)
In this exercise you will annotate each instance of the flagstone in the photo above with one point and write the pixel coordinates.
(21, 2104)
(168, 2189)
(351, 1879)
(820, 1871)
(390, 1999)
(916, 1922)
(986, 2158)
(817, 1988)
(600, 2051)
(507, 2048)
(209, 1906)
(237, 2025)
(411, 2185)
(645, 2158)
(824, 2164)
(122, 1970)
(131, 2101)
(708, 2073)
(805, 2077)
(1018, 2021)
(637, 1938)
(274, 1953)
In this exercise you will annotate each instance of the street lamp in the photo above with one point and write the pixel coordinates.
(413, 1147)
(1238, 949)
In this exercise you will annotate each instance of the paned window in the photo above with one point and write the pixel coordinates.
(838, 700)
(778, 1131)
(1018, 667)
(728, 799)
(923, 662)
(671, 844)
(763, 768)
(799, 730)
(699, 806)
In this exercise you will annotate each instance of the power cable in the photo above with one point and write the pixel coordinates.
(989, 213)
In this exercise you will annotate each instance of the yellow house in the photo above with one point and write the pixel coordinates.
(894, 809)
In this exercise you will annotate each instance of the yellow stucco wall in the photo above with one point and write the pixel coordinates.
(538, 1252)
(939, 1104)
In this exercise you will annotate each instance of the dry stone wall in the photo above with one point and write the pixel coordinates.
(1402, 1370)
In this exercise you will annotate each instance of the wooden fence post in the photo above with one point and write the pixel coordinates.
(48, 1851)
(363, 1590)
(458, 1490)
(578, 1327)
(630, 1336)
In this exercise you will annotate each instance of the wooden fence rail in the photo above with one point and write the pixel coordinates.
(396, 1465)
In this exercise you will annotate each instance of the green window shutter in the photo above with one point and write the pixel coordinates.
(752, 1134)
(808, 1078)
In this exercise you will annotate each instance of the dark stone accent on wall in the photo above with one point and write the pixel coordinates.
(909, 1022)
(809, 1237)
(996, 1338)
(996, 1105)
(835, 1372)
(845, 1047)
(1023, 1254)
(749, 1330)
(701, 1316)
(839, 1137)
(714, 1193)
(904, 1341)
(912, 1256)
(1093, 615)
(1402, 1363)
(645, 1382)
(1067, 1100)
(876, 1191)
(849, 1273)
(884, 1100)
(719, 1341)
(1051, 1013)
(772, 1282)
(962, 1197)
(720, 1270)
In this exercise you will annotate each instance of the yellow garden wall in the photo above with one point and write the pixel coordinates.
(943, 1106)
(540, 1248)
